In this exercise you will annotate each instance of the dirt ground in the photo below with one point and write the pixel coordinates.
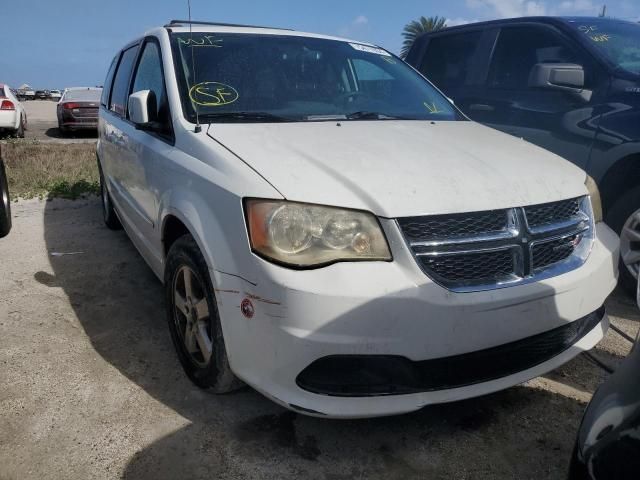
(42, 124)
(90, 386)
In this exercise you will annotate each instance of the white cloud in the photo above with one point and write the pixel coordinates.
(579, 6)
(360, 20)
(452, 22)
(525, 8)
(509, 8)
(357, 27)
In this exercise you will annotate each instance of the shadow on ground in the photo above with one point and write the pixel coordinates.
(55, 132)
(519, 433)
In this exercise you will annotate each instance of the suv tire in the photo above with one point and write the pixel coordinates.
(193, 318)
(625, 215)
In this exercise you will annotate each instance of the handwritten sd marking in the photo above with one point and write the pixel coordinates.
(204, 41)
(213, 94)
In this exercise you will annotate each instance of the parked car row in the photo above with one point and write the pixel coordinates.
(30, 94)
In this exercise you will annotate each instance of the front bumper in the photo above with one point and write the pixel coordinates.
(393, 309)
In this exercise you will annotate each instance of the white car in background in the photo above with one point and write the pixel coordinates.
(55, 95)
(13, 117)
(332, 231)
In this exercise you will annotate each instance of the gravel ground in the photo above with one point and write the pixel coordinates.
(90, 386)
(42, 124)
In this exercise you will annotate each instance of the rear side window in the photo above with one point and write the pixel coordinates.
(447, 62)
(119, 94)
(104, 100)
(2, 94)
(520, 48)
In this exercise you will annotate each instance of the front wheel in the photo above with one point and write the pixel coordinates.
(624, 219)
(193, 318)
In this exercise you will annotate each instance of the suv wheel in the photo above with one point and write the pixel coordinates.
(193, 318)
(624, 218)
(111, 220)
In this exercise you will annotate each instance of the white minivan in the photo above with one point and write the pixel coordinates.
(333, 232)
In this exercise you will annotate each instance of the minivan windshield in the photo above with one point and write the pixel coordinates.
(269, 78)
(618, 40)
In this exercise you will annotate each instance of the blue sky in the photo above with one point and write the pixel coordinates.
(70, 43)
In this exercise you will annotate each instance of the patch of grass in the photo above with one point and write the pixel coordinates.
(51, 169)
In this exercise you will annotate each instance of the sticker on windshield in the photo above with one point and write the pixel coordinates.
(213, 94)
(368, 49)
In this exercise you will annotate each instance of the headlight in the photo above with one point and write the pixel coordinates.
(594, 194)
(303, 235)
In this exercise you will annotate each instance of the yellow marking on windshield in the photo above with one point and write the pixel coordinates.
(601, 38)
(432, 107)
(203, 41)
(213, 94)
(390, 60)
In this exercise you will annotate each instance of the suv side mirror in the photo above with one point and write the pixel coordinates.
(566, 77)
(142, 110)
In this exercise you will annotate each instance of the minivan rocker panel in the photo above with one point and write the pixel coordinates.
(434, 167)
(493, 262)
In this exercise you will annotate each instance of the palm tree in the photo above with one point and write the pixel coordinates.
(415, 28)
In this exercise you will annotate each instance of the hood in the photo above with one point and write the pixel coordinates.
(401, 168)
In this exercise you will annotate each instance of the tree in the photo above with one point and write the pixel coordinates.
(415, 28)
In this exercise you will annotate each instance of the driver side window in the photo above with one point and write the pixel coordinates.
(149, 76)
(520, 48)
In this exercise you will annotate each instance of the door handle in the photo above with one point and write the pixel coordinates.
(481, 107)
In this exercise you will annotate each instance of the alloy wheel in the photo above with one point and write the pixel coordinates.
(192, 316)
(630, 243)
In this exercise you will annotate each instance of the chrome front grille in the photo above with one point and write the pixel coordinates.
(499, 248)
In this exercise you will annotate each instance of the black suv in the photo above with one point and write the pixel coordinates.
(570, 85)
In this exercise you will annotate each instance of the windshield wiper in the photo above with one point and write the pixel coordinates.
(246, 116)
(365, 115)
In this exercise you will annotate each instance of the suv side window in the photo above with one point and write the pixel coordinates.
(149, 76)
(519, 48)
(448, 59)
(119, 95)
(106, 90)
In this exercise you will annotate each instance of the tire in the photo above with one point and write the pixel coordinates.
(109, 215)
(5, 203)
(193, 319)
(20, 132)
(625, 214)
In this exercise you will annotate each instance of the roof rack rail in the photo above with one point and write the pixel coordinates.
(173, 23)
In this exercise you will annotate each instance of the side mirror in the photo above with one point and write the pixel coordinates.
(566, 77)
(142, 109)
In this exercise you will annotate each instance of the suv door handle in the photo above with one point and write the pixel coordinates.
(481, 107)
